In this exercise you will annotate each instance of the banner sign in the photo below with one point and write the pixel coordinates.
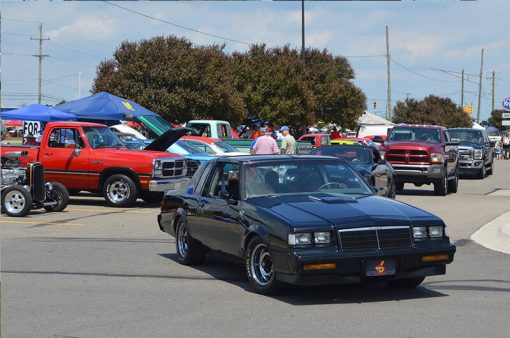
(32, 128)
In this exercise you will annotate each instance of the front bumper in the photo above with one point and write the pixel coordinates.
(418, 173)
(351, 269)
(470, 166)
(162, 185)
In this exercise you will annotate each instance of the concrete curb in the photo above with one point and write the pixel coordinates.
(495, 235)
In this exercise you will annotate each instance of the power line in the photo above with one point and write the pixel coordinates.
(416, 73)
(176, 25)
(75, 50)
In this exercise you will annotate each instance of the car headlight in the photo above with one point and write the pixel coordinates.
(322, 237)
(436, 231)
(157, 168)
(420, 232)
(478, 154)
(437, 158)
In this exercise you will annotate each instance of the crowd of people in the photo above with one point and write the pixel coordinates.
(265, 144)
(502, 147)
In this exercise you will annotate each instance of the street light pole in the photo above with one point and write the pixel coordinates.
(303, 29)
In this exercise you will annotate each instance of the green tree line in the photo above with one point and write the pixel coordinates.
(182, 81)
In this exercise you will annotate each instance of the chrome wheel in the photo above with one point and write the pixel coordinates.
(182, 240)
(119, 191)
(261, 265)
(14, 202)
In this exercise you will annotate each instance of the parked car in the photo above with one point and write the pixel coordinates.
(306, 220)
(368, 162)
(90, 157)
(476, 151)
(130, 141)
(423, 154)
(25, 188)
(355, 140)
(316, 140)
(211, 146)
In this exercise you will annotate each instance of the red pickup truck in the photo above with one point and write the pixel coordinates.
(89, 157)
(422, 154)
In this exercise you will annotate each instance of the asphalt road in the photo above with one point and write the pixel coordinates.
(94, 271)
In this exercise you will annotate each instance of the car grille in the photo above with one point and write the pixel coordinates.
(175, 168)
(374, 238)
(465, 154)
(407, 156)
(192, 167)
(36, 179)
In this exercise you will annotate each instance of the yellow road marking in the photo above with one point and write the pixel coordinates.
(39, 222)
(110, 210)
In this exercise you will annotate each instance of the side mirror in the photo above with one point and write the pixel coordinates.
(453, 142)
(77, 150)
(224, 195)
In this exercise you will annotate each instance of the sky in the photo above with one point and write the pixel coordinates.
(430, 42)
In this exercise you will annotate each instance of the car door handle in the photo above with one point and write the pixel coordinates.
(96, 162)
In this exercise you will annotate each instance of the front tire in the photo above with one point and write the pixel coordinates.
(120, 191)
(189, 250)
(441, 186)
(392, 193)
(482, 172)
(408, 283)
(259, 268)
(453, 184)
(16, 201)
(60, 194)
(491, 170)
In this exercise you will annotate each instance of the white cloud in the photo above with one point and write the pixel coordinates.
(101, 28)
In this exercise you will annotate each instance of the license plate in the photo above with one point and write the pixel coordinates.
(381, 267)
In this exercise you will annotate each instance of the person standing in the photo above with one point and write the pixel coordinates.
(334, 134)
(265, 144)
(288, 142)
(506, 146)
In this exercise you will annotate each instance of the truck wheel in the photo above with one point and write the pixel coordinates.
(189, 250)
(152, 197)
(482, 172)
(453, 184)
(16, 201)
(408, 283)
(399, 186)
(491, 170)
(392, 193)
(60, 194)
(120, 191)
(441, 186)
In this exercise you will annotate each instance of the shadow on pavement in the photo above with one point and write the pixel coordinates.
(410, 192)
(470, 285)
(312, 295)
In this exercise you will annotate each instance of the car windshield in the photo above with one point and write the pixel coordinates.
(225, 147)
(354, 154)
(310, 177)
(102, 137)
(131, 141)
(415, 135)
(467, 136)
(189, 148)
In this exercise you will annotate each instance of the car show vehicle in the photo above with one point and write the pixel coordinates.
(368, 162)
(476, 151)
(354, 140)
(306, 220)
(90, 157)
(25, 188)
(211, 146)
(316, 140)
(423, 154)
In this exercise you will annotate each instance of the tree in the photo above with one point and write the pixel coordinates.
(173, 78)
(496, 119)
(431, 110)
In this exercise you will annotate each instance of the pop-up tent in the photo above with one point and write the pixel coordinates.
(104, 106)
(37, 112)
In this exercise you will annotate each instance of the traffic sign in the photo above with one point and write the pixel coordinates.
(506, 103)
(505, 116)
(505, 123)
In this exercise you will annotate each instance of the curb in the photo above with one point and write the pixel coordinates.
(495, 235)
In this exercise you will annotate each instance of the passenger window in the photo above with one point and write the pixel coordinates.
(225, 177)
(65, 138)
(201, 182)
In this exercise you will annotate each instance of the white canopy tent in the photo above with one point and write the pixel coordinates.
(372, 119)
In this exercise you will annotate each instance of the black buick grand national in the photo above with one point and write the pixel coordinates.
(302, 220)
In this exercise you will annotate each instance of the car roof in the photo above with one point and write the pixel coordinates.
(76, 123)
(424, 126)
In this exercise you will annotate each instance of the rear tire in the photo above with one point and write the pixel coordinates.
(441, 186)
(60, 194)
(189, 250)
(16, 201)
(453, 184)
(120, 191)
(408, 283)
(259, 268)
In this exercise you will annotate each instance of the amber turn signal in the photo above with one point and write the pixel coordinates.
(324, 266)
(434, 258)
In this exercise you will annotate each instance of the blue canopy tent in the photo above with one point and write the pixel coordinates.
(37, 112)
(104, 106)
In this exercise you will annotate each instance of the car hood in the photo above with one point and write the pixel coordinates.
(464, 144)
(167, 139)
(415, 145)
(304, 211)
(135, 155)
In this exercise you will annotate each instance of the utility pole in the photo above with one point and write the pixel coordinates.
(40, 56)
(493, 80)
(462, 91)
(303, 29)
(480, 91)
(388, 98)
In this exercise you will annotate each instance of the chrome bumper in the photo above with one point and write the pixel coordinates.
(427, 170)
(163, 185)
